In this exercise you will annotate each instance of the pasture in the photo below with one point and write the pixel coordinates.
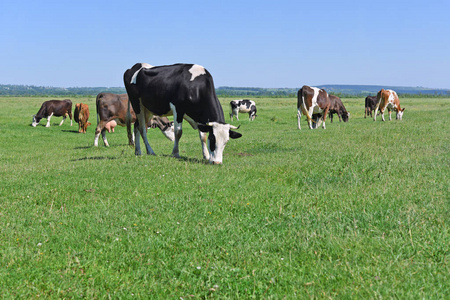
(359, 210)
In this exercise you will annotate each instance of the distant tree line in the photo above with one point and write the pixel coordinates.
(343, 91)
(31, 90)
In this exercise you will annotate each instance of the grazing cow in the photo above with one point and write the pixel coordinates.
(370, 104)
(185, 91)
(57, 108)
(112, 111)
(388, 99)
(243, 106)
(337, 107)
(310, 101)
(81, 116)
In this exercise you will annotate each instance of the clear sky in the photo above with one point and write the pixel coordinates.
(281, 43)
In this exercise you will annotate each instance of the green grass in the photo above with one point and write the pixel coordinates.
(359, 210)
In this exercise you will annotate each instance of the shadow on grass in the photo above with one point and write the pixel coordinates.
(94, 158)
(187, 159)
(71, 131)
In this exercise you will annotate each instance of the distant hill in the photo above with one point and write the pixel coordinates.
(340, 90)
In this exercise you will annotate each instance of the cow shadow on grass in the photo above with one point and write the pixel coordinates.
(95, 158)
(70, 131)
(187, 159)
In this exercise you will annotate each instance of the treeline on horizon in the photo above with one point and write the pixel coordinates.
(345, 91)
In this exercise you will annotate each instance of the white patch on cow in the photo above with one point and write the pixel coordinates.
(143, 65)
(34, 124)
(392, 96)
(316, 108)
(196, 70)
(48, 120)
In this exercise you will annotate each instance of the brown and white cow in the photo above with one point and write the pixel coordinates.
(388, 99)
(112, 111)
(370, 105)
(310, 101)
(81, 116)
(57, 108)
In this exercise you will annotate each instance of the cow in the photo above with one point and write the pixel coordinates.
(388, 99)
(185, 91)
(243, 106)
(337, 107)
(310, 101)
(81, 116)
(370, 104)
(57, 108)
(112, 111)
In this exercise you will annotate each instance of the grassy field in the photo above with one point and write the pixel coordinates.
(359, 210)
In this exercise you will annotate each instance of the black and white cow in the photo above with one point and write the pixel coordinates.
(185, 91)
(243, 106)
(57, 108)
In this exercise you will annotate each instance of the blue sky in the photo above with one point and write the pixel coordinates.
(242, 43)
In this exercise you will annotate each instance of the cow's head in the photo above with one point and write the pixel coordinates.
(345, 115)
(219, 134)
(400, 114)
(35, 121)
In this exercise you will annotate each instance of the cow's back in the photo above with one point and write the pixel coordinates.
(189, 87)
(113, 106)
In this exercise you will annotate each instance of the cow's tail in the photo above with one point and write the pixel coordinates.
(128, 122)
(303, 106)
(97, 104)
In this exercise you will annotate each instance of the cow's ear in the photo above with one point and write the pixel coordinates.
(204, 128)
(403, 109)
(234, 134)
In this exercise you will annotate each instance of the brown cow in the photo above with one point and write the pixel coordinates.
(81, 116)
(337, 107)
(312, 100)
(388, 99)
(370, 104)
(57, 108)
(112, 111)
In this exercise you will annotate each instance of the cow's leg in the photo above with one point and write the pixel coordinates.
(390, 112)
(105, 141)
(143, 118)
(137, 140)
(310, 112)
(62, 121)
(382, 114)
(376, 111)
(365, 112)
(178, 130)
(324, 117)
(299, 115)
(48, 120)
(98, 130)
(203, 139)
